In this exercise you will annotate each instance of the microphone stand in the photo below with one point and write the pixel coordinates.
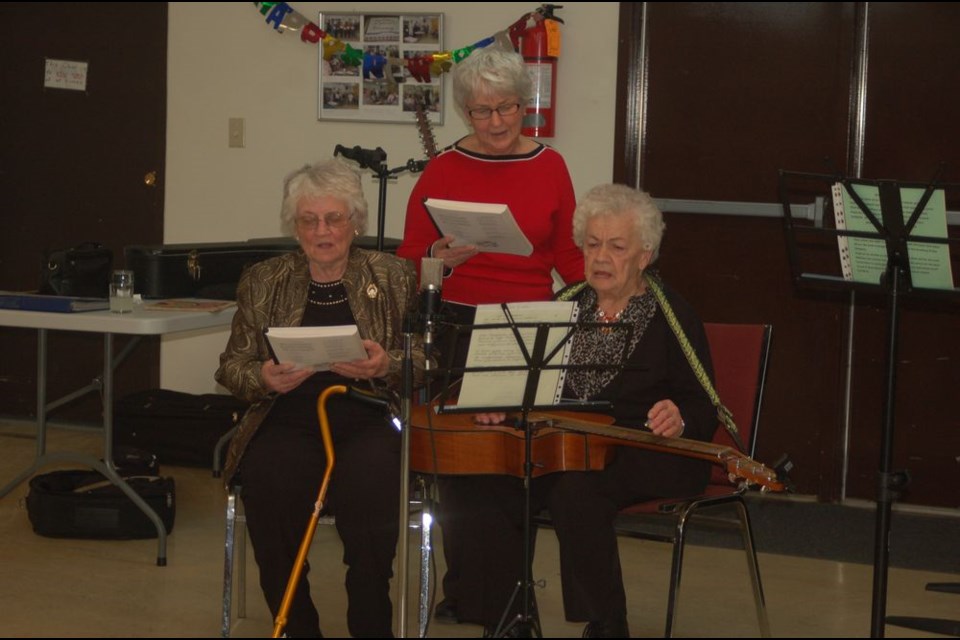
(406, 399)
(431, 274)
(375, 160)
(406, 393)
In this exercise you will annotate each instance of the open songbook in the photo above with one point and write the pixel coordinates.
(865, 259)
(315, 347)
(498, 347)
(491, 227)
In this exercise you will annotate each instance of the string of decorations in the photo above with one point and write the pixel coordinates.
(285, 19)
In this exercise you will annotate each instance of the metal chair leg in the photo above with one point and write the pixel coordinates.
(753, 568)
(241, 558)
(426, 558)
(676, 566)
(746, 531)
(228, 565)
(234, 563)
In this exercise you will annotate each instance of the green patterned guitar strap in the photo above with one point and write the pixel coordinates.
(722, 412)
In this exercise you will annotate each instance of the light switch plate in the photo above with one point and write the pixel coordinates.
(235, 133)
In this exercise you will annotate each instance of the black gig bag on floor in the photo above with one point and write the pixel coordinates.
(179, 428)
(85, 504)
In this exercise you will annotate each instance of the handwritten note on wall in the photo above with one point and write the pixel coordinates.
(65, 74)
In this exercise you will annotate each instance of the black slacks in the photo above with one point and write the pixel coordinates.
(583, 506)
(482, 522)
(281, 473)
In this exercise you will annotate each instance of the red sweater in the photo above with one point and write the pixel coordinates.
(537, 188)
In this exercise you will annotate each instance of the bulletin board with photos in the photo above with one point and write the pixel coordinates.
(381, 88)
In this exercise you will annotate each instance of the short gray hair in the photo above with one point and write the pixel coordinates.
(328, 178)
(491, 70)
(619, 199)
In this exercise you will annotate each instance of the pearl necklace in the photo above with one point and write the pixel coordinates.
(326, 294)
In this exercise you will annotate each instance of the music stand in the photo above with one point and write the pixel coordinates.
(535, 361)
(897, 280)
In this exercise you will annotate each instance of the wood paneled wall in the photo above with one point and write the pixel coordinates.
(731, 93)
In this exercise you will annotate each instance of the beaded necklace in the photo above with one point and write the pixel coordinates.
(603, 317)
(326, 294)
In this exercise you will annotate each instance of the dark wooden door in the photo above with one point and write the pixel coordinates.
(730, 94)
(78, 166)
(911, 127)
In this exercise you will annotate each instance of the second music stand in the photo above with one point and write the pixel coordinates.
(896, 232)
(535, 360)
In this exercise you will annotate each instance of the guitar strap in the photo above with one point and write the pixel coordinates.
(722, 412)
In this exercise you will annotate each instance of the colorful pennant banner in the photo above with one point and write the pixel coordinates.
(284, 18)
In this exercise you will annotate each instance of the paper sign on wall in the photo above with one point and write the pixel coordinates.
(65, 74)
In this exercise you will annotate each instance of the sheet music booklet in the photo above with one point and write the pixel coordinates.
(315, 347)
(491, 227)
(865, 259)
(498, 348)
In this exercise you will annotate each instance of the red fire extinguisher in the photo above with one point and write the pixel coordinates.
(538, 41)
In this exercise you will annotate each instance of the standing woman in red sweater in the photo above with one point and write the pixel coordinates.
(493, 164)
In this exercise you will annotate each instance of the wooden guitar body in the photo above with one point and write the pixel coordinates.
(459, 446)
(452, 444)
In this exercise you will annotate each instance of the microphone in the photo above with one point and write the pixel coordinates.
(431, 282)
(416, 166)
(376, 400)
(366, 158)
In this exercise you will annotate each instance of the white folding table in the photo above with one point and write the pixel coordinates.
(140, 322)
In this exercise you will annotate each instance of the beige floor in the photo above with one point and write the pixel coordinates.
(81, 588)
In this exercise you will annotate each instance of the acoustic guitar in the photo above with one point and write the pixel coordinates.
(452, 444)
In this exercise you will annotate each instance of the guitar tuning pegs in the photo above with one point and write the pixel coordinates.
(783, 466)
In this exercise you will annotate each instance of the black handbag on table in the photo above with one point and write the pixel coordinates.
(82, 271)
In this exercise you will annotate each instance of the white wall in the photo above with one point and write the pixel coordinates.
(224, 61)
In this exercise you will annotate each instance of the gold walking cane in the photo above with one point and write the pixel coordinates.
(281, 620)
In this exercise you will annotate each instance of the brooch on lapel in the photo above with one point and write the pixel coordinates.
(372, 291)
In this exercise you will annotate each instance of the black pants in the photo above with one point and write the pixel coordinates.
(583, 506)
(458, 514)
(281, 473)
(583, 509)
(486, 544)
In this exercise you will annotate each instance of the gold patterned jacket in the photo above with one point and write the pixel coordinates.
(381, 290)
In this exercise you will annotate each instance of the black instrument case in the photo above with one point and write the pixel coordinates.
(208, 270)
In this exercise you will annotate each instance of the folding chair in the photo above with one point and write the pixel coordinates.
(235, 554)
(235, 543)
(739, 353)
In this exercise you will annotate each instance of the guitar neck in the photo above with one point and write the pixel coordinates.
(735, 463)
(690, 448)
(425, 130)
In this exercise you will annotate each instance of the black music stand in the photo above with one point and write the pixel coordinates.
(895, 232)
(535, 362)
